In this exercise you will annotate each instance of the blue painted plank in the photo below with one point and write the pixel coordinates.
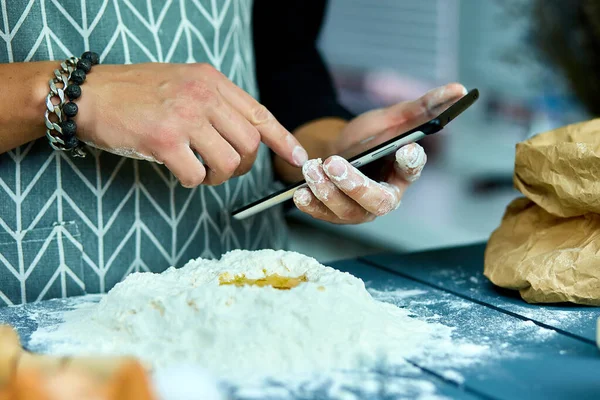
(525, 361)
(26, 319)
(459, 270)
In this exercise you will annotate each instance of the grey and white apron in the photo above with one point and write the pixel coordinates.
(70, 226)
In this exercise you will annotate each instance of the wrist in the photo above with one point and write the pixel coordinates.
(39, 90)
(86, 117)
(62, 103)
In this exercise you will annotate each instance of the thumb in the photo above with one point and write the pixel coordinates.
(410, 161)
(411, 114)
(388, 122)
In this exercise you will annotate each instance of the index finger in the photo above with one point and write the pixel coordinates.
(272, 133)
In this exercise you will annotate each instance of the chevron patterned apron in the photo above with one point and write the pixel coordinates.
(70, 226)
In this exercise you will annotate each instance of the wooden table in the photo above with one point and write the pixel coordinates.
(558, 362)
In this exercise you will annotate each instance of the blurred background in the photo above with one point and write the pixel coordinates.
(385, 51)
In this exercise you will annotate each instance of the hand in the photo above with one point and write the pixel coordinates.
(339, 193)
(169, 112)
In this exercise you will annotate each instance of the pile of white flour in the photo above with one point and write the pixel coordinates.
(243, 333)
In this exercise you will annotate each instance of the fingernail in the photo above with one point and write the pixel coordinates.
(336, 168)
(300, 156)
(312, 172)
(439, 101)
(302, 197)
(410, 160)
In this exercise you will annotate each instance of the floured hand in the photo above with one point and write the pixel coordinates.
(189, 117)
(339, 193)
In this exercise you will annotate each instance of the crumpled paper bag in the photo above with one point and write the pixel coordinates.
(560, 170)
(548, 244)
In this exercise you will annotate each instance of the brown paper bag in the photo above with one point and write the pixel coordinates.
(560, 170)
(548, 244)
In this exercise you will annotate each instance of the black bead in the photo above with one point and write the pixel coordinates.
(73, 92)
(69, 128)
(92, 57)
(78, 76)
(71, 142)
(70, 109)
(85, 65)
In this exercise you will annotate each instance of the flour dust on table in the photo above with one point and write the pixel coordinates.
(248, 317)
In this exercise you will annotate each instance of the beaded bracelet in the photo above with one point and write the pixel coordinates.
(72, 74)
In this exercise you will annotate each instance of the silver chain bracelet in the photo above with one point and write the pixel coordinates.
(54, 131)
